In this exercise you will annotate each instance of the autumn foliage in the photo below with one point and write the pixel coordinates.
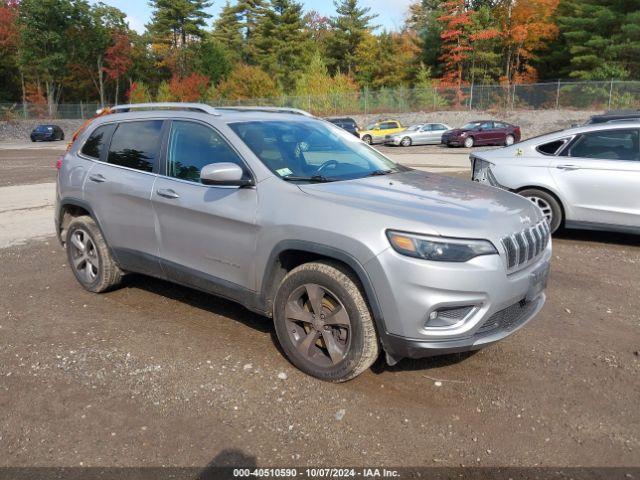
(189, 89)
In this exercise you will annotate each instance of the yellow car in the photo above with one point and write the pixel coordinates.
(376, 132)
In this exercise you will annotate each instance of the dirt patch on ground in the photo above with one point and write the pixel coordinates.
(157, 374)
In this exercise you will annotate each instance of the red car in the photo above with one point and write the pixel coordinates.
(482, 132)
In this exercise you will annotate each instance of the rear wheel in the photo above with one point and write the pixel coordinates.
(469, 142)
(406, 142)
(89, 256)
(367, 139)
(510, 140)
(323, 322)
(549, 205)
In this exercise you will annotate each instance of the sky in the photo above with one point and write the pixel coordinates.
(391, 12)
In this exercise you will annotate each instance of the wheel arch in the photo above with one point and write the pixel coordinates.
(70, 208)
(550, 192)
(289, 254)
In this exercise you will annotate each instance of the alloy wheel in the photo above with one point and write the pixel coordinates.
(547, 211)
(318, 325)
(406, 142)
(509, 140)
(84, 256)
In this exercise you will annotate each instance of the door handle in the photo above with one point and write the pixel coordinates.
(98, 178)
(568, 167)
(168, 193)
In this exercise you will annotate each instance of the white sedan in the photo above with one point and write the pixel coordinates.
(586, 177)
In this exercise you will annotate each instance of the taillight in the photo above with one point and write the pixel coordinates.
(59, 162)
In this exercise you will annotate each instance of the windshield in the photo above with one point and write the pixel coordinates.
(312, 151)
(471, 125)
(371, 126)
(414, 128)
(44, 128)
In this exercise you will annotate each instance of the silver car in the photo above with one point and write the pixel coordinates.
(421, 134)
(586, 177)
(349, 253)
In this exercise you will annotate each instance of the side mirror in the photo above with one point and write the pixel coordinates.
(224, 175)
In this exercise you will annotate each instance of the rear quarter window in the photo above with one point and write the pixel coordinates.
(95, 144)
(551, 148)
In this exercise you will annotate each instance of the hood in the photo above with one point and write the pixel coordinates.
(456, 131)
(433, 204)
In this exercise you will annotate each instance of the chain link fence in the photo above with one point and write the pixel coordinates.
(608, 95)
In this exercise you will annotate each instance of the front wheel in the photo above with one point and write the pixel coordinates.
(469, 142)
(367, 139)
(406, 142)
(549, 205)
(323, 322)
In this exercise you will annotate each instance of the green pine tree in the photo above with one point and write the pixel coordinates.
(603, 37)
(180, 20)
(281, 42)
(349, 29)
(228, 31)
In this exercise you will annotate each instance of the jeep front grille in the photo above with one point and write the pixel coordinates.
(523, 247)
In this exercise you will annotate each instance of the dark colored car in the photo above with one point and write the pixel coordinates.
(346, 123)
(47, 133)
(482, 132)
(616, 116)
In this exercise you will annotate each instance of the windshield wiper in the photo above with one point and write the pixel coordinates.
(313, 179)
(380, 173)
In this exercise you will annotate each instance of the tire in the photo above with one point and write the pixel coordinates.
(95, 270)
(406, 142)
(549, 205)
(469, 142)
(509, 140)
(355, 347)
(367, 139)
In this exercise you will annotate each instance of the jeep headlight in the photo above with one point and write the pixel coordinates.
(439, 249)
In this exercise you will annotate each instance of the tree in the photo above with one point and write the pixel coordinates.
(49, 32)
(247, 82)
(349, 29)
(423, 19)
(106, 26)
(139, 93)
(456, 42)
(227, 31)
(526, 26)
(9, 42)
(181, 20)
(282, 43)
(603, 38)
(177, 23)
(192, 88)
(118, 59)
(212, 59)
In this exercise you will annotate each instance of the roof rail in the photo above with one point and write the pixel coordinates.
(295, 111)
(191, 107)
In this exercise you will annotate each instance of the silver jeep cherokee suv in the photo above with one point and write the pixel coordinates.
(348, 252)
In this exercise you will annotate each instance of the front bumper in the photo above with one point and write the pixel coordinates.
(456, 141)
(409, 290)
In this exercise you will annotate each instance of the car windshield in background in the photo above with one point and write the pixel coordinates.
(312, 151)
(471, 126)
(44, 128)
(414, 128)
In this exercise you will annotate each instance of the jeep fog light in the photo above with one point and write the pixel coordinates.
(448, 317)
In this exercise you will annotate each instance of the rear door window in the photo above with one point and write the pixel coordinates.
(136, 145)
(607, 145)
(95, 144)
